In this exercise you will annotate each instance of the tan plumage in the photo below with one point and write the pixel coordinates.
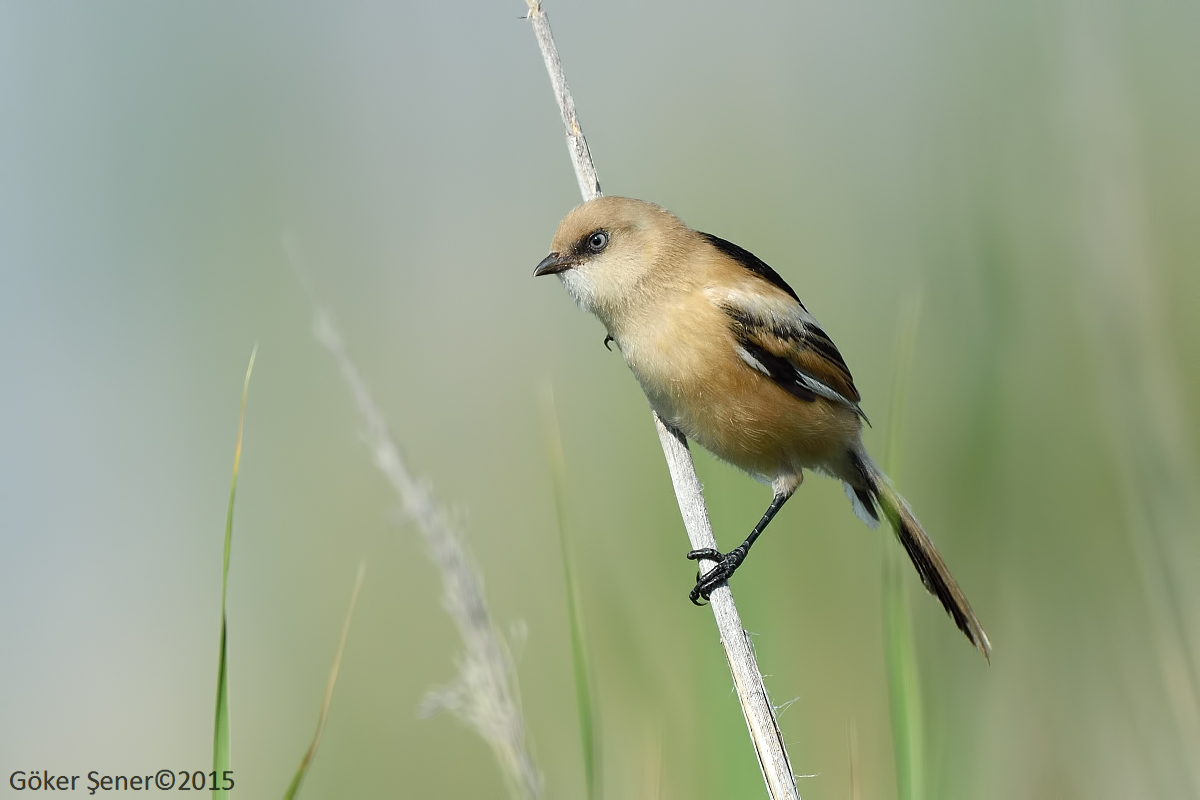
(727, 354)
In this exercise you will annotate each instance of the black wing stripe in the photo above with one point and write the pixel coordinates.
(779, 370)
(782, 371)
(810, 335)
(820, 341)
(752, 263)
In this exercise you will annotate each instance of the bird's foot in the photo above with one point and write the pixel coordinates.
(727, 564)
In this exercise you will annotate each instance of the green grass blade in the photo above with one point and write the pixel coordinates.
(221, 724)
(588, 721)
(904, 684)
(904, 680)
(311, 753)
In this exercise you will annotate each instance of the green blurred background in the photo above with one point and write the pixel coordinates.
(1030, 169)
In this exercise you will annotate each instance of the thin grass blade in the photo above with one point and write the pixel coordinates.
(903, 675)
(652, 783)
(221, 723)
(311, 753)
(588, 722)
(855, 768)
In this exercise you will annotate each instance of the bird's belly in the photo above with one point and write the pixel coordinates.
(742, 416)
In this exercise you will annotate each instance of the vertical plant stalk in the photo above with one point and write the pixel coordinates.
(652, 777)
(331, 682)
(588, 716)
(852, 748)
(747, 679)
(221, 721)
(485, 695)
(903, 673)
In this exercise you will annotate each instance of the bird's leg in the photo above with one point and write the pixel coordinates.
(727, 563)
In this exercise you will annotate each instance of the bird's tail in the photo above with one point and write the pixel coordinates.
(920, 549)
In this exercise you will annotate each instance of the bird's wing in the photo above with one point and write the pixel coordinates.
(776, 335)
(792, 351)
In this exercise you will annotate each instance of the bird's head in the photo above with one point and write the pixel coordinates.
(611, 252)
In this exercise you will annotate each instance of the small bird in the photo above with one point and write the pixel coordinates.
(728, 356)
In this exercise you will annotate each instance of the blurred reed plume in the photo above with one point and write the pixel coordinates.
(485, 695)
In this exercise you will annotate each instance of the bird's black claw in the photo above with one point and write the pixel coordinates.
(727, 564)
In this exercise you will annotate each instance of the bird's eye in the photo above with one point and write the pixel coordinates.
(597, 241)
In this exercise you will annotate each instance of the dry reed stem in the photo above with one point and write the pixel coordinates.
(747, 679)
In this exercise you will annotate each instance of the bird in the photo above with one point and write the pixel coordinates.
(729, 357)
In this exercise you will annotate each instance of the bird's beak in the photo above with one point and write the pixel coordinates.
(552, 264)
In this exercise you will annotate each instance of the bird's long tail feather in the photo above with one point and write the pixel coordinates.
(925, 558)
